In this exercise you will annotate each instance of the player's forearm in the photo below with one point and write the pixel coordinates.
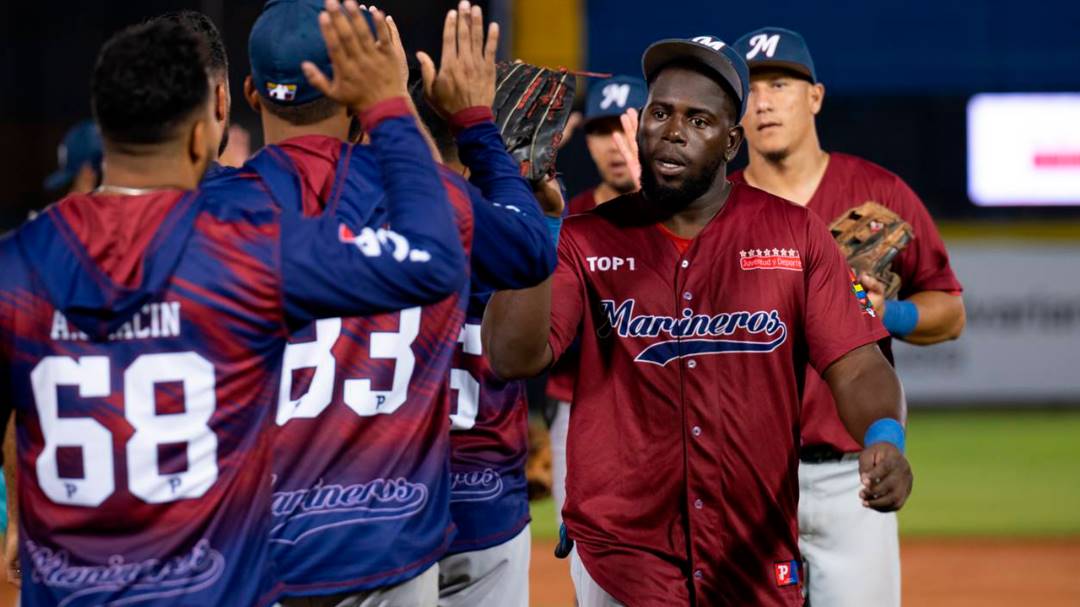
(491, 168)
(941, 317)
(510, 250)
(866, 389)
(512, 245)
(515, 331)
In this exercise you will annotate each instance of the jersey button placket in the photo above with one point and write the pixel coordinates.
(689, 410)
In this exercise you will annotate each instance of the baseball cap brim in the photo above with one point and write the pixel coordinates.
(664, 52)
(791, 66)
(58, 179)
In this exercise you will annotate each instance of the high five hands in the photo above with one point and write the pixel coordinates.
(466, 75)
(626, 142)
(366, 70)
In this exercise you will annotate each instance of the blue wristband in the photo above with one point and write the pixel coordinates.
(554, 225)
(885, 430)
(900, 317)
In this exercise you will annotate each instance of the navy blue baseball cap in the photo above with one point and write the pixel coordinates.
(613, 96)
(709, 51)
(81, 145)
(777, 47)
(285, 35)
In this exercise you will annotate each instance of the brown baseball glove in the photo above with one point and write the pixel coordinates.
(870, 236)
(532, 105)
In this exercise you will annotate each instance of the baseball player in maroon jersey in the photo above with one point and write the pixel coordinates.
(699, 303)
(852, 553)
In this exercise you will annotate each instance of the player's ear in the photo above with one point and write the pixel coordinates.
(252, 95)
(221, 105)
(201, 142)
(817, 97)
(735, 139)
(197, 140)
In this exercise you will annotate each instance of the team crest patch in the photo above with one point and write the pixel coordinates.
(862, 296)
(281, 92)
(787, 573)
(770, 259)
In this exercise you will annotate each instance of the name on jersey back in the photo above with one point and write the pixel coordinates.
(152, 321)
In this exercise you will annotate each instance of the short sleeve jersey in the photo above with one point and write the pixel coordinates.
(923, 266)
(682, 446)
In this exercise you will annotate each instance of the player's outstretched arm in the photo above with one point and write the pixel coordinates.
(870, 401)
(511, 244)
(525, 331)
(419, 259)
(515, 332)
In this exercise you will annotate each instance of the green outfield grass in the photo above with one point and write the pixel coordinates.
(978, 473)
(994, 473)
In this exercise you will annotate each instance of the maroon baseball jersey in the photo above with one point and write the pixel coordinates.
(582, 203)
(682, 448)
(922, 266)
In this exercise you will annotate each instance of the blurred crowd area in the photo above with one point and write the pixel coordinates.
(899, 78)
(975, 105)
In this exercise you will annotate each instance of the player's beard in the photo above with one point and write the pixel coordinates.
(693, 184)
(776, 156)
(623, 187)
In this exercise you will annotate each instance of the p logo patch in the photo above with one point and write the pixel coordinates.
(787, 573)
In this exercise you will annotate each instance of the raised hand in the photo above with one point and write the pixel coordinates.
(886, 477)
(466, 76)
(626, 142)
(366, 70)
(399, 48)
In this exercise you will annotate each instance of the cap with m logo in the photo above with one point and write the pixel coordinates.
(613, 96)
(777, 47)
(708, 51)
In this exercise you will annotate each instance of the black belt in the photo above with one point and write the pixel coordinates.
(820, 454)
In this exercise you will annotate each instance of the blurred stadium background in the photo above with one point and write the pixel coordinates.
(975, 104)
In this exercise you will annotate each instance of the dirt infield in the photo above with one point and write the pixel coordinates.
(937, 573)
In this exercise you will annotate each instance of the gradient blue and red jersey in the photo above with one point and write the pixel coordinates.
(362, 456)
(489, 439)
(141, 340)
